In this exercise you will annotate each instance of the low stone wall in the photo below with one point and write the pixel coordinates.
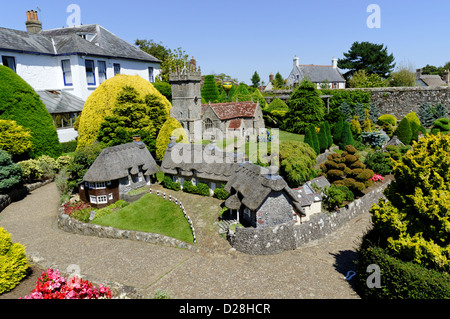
(288, 236)
(20, 193)
(72, 225)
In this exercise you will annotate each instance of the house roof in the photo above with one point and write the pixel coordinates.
(91, 39)
(118, 161)
(321, 73)
(230, 110)
(431, 80)
(60, 101)
(234, 124)
(251, 184)
(203, 161)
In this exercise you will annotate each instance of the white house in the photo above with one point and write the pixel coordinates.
(321, 75)
(75, 60)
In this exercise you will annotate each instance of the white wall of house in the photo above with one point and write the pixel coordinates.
(44, 72)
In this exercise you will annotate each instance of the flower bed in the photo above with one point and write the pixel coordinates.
(51, 285)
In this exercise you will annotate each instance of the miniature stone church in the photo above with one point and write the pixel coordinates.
(222, 120)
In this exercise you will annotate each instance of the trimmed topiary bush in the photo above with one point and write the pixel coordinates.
(209, 91)
(387, 118)
(20, 103)
(10, 173)
(13, 262)
(404, 132)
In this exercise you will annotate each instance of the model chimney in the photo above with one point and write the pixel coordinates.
(418, 74)
(33, 24)
(270, 77)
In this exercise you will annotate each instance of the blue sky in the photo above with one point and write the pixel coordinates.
(241, 37)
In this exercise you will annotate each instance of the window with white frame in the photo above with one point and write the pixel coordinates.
(110, 196)
(101, 71)
(90, 72)
(102, 199)
(67, 72)
(97, 185)
(93, 199)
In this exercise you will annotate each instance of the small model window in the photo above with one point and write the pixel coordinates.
(102, 199)
(93, 199)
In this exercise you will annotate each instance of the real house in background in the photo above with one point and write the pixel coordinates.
(65, 65)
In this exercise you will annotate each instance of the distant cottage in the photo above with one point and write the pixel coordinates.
(116, 171)
(309, 198)
(327, 75)
(260, 197)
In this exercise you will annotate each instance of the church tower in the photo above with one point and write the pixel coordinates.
(187, 100)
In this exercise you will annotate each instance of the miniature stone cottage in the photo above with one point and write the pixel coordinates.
(260, 197)
(116, 171)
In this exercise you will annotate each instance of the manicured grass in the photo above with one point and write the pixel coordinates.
(151, 214)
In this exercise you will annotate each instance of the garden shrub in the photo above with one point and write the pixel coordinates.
(14, 138)
(375, 139)
(32, 170)
(413, 224)
(380, 162)
(404, 132)
(10, 173)
(221, 193)
(164, 88)
(170, 128)
(102, 101)
(200, 189)
(297, 162)
(335, 196)
(442, 124)
(387, 118)
(19, 102)
(346, 137)
(399, 279)
(13, 262)
(69, 147)
(168, 183)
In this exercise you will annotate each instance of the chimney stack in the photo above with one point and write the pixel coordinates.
(334, 63)
(33, 24)
(295, 61)
(270, 77)
(418, 74)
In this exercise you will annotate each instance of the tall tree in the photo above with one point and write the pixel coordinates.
(256, 80)
(371, 57)
(305, 107)
(278, 81)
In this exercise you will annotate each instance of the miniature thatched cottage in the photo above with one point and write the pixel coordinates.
(260, 197)
(198, 163)
(116, 171)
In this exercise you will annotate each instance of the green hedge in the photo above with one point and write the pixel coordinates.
(168, 183)
(399, 280)
(200, 189)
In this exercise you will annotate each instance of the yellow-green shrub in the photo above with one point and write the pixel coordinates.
(15, 139)
(13, 262)
(170, 128)
(101, 102)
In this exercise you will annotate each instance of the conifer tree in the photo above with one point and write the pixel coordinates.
(315, 139)
(328, 132)
(323, 139)
(308, 137)
(404, 132)
(337, 132)
(347, 136)
(209, 91)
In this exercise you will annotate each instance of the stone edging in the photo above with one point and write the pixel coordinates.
(72, 225)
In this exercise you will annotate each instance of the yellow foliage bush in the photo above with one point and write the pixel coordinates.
(170, 128)
(13, 262)
(102, 101)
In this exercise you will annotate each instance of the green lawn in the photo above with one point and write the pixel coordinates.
(151, 214)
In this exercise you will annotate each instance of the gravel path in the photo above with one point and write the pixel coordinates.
(315, 270)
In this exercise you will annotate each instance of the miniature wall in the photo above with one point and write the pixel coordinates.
(288, 236)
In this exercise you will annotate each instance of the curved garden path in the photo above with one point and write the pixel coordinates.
(316, 270)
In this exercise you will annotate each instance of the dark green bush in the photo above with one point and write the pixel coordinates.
(69, 147)
(200, 189)
(399, 280)
(10, 173)
(168, 183)
(404, 132)
(379, 162)
(19, 102)
(221, 193)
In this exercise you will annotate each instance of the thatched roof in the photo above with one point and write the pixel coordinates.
(251, 184)
(205, 161)
(118, 161)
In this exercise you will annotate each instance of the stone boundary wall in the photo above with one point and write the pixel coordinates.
(397, 101)
(288, 236)
(20, 193)
(72, 225)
